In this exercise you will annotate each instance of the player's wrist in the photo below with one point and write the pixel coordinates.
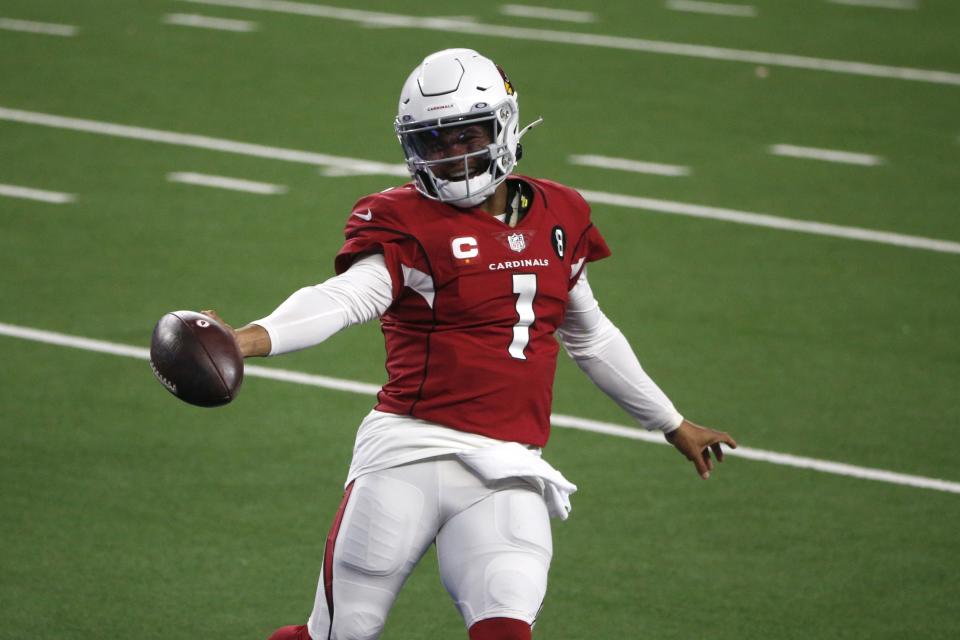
(672, 426)
(253, 340)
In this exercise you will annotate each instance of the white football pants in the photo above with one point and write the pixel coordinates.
(493, 546)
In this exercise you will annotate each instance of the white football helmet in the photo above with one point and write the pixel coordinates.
(442, 104)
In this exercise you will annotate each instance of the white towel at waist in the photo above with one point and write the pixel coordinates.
(513, 460)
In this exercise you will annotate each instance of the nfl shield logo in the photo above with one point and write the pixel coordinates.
(517, 242)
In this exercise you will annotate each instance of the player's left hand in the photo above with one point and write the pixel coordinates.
(696, 443)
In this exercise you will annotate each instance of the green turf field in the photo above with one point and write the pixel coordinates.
(126, 513)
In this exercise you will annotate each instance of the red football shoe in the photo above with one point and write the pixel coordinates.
(292, 632)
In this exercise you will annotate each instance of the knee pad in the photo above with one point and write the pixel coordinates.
(515, 582)
(357, 625)
(500, 629)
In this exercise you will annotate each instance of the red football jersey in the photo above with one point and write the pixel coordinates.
(469, 335)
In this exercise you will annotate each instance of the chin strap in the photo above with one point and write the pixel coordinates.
(528, 127)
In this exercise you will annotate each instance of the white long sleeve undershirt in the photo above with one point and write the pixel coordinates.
(313, 314)
(603, 353)
(364, 292)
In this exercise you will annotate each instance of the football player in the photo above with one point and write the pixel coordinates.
(473, 272)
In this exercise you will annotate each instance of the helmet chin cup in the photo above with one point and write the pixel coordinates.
(466, 193)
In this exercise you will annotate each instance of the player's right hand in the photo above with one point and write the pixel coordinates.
(253, 340)
(213, 314)
(696, 443)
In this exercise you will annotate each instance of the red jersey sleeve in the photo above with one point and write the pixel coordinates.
(589, 247)
(375, 227)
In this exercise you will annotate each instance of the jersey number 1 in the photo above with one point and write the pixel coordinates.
(525, 287)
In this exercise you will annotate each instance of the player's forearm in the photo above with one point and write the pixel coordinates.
(313, 314)
(615, 369)
(605, 355)
(306, 318)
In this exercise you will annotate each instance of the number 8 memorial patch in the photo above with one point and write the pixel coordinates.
(559, 240)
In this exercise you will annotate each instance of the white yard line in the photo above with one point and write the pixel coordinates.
(773, 457)
(222, 182)
(558, 420)
(593, 40)
(26, 193)
(906, 5)
(206, 22)
(827, 155)
(45, 28)
(359, 167)
(713, 8)
(769, 221)
(368, 167)
(624, 164)
(545, 13)
(338, 172)
(375, 24)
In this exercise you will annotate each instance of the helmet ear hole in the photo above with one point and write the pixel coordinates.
(519, 151)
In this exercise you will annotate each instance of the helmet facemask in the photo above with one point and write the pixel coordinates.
(485, 142)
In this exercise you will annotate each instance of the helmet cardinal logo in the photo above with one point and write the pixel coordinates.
(506, 81)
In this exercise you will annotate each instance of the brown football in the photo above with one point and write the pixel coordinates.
(196, 359)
